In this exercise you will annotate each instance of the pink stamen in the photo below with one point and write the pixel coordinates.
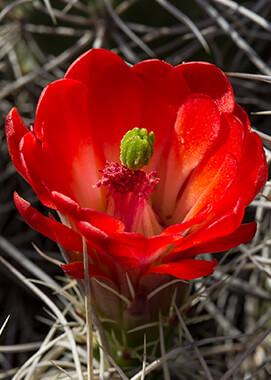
(118, 179)
(129, 190)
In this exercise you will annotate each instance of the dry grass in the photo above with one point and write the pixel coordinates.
(226, 335)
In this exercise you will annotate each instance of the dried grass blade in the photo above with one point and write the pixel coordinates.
(4, 324)
(121, 24)
(186, 20)
(197, 351)
(257, 19)
(55, 310)
(8, 8)
(176, 351)
(50, 11)
(45, 342)
(25, 262)
(61, 369)
(49, 66)
(262, 78)
(243, 356)
(163, 348)
(144, 358)
(88, 306)
(122, 297)
(262, 113)
(20, 347)
(117, 368)
(238, 40)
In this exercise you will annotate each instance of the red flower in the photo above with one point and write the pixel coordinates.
(209, 164)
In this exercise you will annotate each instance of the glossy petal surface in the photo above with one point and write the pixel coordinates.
(208, 167)
(186, 269)
(15, 131)
(205, 78)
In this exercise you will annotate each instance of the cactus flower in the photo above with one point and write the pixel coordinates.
(178, 187)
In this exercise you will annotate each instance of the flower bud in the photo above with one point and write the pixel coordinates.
(137, 148)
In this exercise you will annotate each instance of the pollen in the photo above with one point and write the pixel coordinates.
(118, 179)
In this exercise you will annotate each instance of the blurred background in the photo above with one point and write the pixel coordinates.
(38, 41)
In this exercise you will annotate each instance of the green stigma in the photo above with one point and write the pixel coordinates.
(136, 149)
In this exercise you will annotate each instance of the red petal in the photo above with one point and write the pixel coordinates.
(242, 115)
(217, 227)
(243, 234)
(62, 142)
(205, 78)
(253, 170)
(196, 131)
(54, 230)
(145, 250)
(213, 180)
(102, 221)
(186, 269)
(15, 131)
(94, 236)
(115, 98)
(93, 62)
(179, 228)
(234, 140)
(221, 226)
(164, 91)
(206, 186)
(37, 169)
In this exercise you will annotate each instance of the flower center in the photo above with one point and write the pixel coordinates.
(129, 187)
(118, 179)
(129, 193)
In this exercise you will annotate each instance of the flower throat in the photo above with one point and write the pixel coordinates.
(130, 187)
